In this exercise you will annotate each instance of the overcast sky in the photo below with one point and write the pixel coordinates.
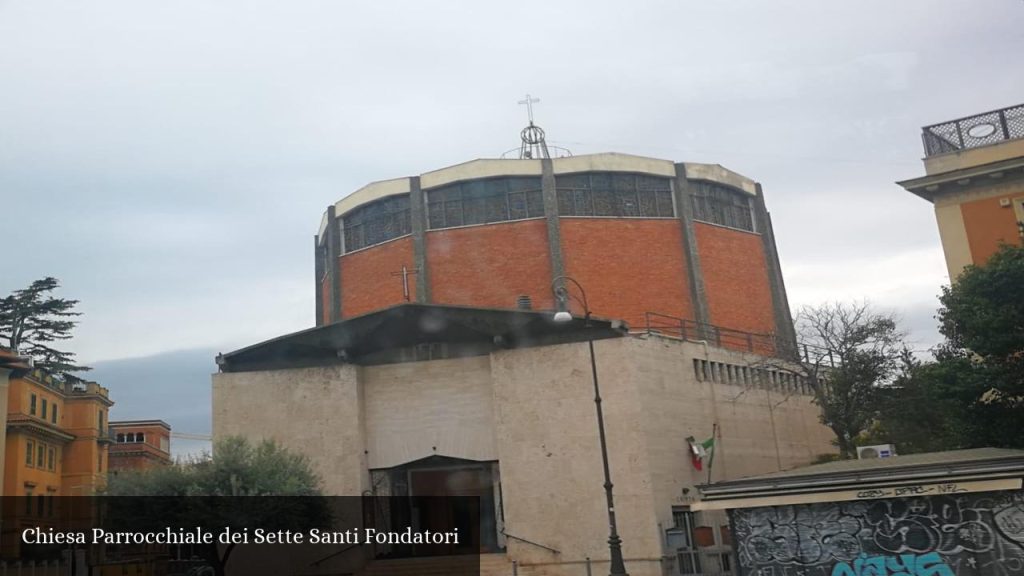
(169, 161)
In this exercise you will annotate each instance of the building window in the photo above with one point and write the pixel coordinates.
(376, 222)
(484, 201)
(28, 501)
(614, 194)
(686, 551)
(725, 562)
(51, 459)
(723, 205)
(32, 405)
(101, 421)
(120, 437)
(42, 410)
(30, 453)
(53, 414)
(40, 456)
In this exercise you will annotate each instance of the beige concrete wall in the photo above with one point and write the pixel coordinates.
(550, 457)
(953, 233)
(974, 157)
(480, 168)
(549, 452)
(315, 411)
(370, 192)
(761, 428)
(613, 162)
(421, 409)
(718, 173)
(533, 410)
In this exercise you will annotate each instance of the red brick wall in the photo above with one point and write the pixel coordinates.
(988, 225)
(490, 266)
(628, 267)
(735, 278)
(366, 280)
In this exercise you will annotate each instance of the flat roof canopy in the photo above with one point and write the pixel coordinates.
(932, 473)
(409, 325)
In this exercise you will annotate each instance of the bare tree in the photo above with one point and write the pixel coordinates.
(849, 351)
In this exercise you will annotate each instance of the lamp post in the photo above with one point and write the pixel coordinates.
(617, 568)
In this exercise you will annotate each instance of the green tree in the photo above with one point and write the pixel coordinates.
(972, 394)
(849, 353)
(236, 468)
(923, 410)
(31, 320)
(982, 318)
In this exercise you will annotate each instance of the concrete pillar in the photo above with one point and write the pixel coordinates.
(550, 194)
(333, 264)
(318, 273)
(784, 332)
(418, 215)
(684, 208)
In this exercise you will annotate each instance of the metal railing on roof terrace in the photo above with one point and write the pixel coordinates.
(974, 131)
(767, 344)
(722, 337)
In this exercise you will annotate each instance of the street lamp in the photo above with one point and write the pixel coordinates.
(618, 568)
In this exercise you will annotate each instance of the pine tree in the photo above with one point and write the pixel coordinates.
(32, 320)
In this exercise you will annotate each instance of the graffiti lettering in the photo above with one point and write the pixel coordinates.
(911, 491)
(1010, 522)
(903, 565)
(940, 533)
(916, 490)
(872, 494)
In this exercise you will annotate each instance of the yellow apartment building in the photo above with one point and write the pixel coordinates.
(57, 438)
(974, 175)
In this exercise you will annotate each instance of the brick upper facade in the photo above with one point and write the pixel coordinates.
(690, 241)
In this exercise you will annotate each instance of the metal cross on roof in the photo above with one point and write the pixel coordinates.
(530, 101)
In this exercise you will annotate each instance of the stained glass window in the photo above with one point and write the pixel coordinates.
(375, 223)
(723, 205)
(614, 194)
(484, 201)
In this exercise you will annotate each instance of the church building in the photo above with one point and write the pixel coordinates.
(439, 366)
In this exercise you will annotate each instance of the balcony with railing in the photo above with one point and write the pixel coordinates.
(974, 131)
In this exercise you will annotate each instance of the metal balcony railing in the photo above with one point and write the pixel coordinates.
(974, 131)
(686, 329)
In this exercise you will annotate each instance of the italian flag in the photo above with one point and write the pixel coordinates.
(701, 452)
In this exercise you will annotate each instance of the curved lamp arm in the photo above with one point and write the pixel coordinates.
(562, 294)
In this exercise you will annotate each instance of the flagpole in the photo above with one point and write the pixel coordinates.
(714, 448)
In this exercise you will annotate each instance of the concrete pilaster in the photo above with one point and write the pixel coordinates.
(684, 208)
(318, 274)
(547, 183)
(333, 265)
(418, 215)
(785, 333)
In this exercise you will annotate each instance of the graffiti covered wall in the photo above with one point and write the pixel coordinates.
(950, 535)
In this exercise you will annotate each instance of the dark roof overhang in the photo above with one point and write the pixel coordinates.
(409, 325)
(935, 467)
